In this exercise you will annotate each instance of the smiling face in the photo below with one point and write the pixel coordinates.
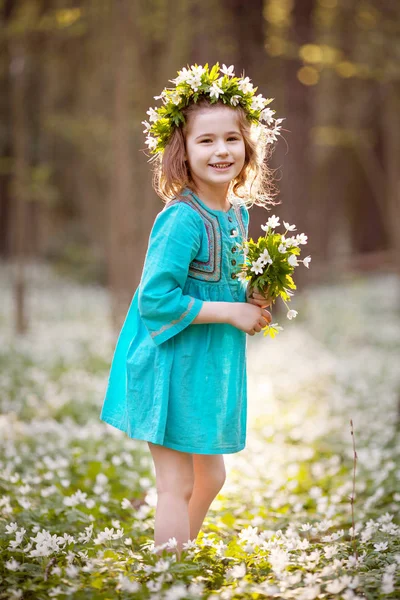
(213, 137)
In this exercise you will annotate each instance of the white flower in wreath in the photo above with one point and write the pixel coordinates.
(228, 70)
(175, 98)
(183, 76)
(151, 142)
(215, 90)
(153, 114)
(245, 85)
(235, 99)
(258, 102)
(267, 116)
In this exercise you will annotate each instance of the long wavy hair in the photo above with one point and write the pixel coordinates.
(253, 185)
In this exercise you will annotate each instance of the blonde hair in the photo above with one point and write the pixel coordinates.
(253, 184)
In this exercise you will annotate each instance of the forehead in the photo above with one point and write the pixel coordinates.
(216, 120)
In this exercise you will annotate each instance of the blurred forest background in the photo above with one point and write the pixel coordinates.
(77, 78)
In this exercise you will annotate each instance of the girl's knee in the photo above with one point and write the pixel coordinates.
(210, 471)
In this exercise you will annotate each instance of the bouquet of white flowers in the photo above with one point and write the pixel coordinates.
(269, 264)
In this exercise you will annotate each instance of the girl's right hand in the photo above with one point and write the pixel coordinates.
(248, 317)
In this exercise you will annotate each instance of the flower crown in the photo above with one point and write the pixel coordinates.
(197, 82)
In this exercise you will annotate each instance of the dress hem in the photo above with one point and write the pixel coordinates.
(228, 450)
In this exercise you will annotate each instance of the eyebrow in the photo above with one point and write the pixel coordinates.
(211, 134)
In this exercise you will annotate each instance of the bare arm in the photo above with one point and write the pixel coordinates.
(214, 312)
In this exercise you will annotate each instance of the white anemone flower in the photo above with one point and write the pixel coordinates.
(301, 238)
(257, 266)
(292, 314)
(151, 142)
(235, 100)
(227, 70)
(292, 260)
(289, 227)
(215, 90)
(282, 248)
(267, 116)
(147, 126)
(273, 222)
(183, 75)
(258, 102)
(245, 85)
(306, 261)
(265, 257)
(153, 114)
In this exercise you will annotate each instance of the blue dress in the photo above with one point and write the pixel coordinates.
(174, 383)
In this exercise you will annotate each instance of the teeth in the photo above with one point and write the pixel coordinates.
(220, 165)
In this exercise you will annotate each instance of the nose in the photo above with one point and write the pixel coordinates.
(222, 150)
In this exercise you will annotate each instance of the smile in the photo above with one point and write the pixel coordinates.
(221, 166)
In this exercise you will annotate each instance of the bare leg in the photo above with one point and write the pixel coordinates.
(175, 479)
(209, 477)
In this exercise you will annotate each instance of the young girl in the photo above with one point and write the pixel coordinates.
(178, 375)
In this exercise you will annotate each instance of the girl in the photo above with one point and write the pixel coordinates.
(178, 375)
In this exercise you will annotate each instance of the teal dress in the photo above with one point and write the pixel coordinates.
(171, 382)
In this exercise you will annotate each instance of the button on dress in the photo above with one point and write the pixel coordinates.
(171, 382)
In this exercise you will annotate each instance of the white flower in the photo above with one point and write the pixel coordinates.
(238, 571)
(292, 260)
(153, 114)
(147, 126)
(306, 527)
(267, 115)
(242, 276)
(176, 592)
(258, 102)
(281, 248)
(276, 326)
(257, 266)
(289, 227)
(11, 528)
(183, 75)
(12, 565)
(228, 70)
(265, 257)
(175, 97)
(273, 222)
(381, 546)
(235, 99)
(198, 71)
(301, 238)
(125, 503)
(151, 142)
(195, 82)
(306, 261)
(292, 314)
(215, 90)
(245, 85)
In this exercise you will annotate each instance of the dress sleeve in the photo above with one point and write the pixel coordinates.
(174, 242)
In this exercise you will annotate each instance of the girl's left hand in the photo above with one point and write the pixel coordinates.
(257, 298)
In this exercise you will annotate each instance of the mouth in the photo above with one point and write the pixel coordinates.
(221, 166)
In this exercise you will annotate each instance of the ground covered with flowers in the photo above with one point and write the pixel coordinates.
(77, 497)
